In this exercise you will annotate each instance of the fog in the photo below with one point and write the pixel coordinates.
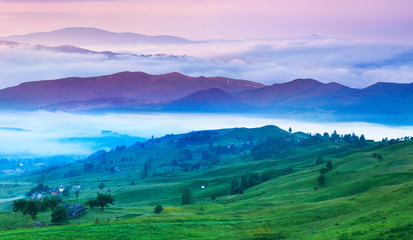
(40, 133)
(352, 63)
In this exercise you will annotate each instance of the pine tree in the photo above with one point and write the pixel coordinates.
(186, 196)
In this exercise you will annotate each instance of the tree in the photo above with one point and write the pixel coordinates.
(32, 207)
(92, 203)
(101, 185)
(77, 194)
(321, 179)
(323, 170)
(19, 205)
(213, 197)
(39, 188)
(290, 130)
(319, 160)
(265, 176)
(234, 186)
(244, 181)
(53, 201)
(362, 140)
(145, 170)
(59, 214)
(158, 209)
(186, 196)
(103, 200)
(66, 192)
(329, 165)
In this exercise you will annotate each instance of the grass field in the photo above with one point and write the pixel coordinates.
(363, 197)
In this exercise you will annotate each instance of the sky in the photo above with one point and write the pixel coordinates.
(377, 20)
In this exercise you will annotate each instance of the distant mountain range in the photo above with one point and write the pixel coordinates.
(135, 86)
(59, 49)
(81, 36)
(174, 92)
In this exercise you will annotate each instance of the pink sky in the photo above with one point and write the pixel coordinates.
(381, 20)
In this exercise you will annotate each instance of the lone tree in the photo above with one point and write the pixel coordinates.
(213, 197)
(319, 160)
(321, 179)
(103, 200)
(59, 214)
(77, 194)
(146, 168)
(186, 196)
(329, 165)
(158, 209)
(290, 130)
(101, 186)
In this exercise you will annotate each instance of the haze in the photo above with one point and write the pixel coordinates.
(48, 134)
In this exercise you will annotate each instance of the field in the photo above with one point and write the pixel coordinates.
(368, 194)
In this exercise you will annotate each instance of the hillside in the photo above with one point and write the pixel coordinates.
(366, 195)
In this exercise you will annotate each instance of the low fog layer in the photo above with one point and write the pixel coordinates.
(352, 63)
(35, 134)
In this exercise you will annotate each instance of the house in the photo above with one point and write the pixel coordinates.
(62, 188)
(55, 191)
(75, 210)
(36, 196)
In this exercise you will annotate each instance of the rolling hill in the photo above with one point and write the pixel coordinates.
(366, 194)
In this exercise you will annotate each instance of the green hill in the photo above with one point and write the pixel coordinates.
(367, 194)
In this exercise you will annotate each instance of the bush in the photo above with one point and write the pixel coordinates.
(59, 214)
(158, 209)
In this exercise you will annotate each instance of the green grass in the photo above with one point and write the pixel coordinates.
(363, 198)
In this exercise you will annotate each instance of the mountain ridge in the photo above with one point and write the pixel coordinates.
(84, 36)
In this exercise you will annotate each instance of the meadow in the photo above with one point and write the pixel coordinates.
(368, 194)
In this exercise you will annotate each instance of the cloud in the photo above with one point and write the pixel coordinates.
(52, 133)
(355, 64)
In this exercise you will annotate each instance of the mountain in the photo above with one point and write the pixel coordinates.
(81, 36)
(128, 85)
(213, 99)
(59, 49)
(299, 90)
(137, 91)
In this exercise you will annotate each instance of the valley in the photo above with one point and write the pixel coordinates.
(366, 194)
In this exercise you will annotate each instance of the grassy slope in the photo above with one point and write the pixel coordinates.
(363, 198)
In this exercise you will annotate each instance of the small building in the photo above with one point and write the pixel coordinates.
(76, 210)
(62, 188)
(55, 191)
(75, 187)
(109, 190)
(36, 196)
